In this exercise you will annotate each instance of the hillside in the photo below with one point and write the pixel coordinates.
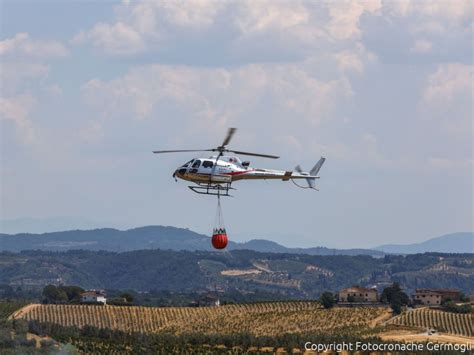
(259, 319)
(150, 237)
(446, 322)
(449, 243)
(241, 271)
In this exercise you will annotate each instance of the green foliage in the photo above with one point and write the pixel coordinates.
(327, 299)
(13, 338)
(450, 306)
(127, 296)
(151, 273)
(53, 294)
(395, 297)
(8, 307)
(61, 294)
(94, 340)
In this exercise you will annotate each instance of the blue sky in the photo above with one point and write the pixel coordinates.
(382, 89)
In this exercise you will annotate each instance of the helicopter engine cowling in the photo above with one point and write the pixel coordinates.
(221, 178)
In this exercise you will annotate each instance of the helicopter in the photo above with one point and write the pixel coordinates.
(215, 175)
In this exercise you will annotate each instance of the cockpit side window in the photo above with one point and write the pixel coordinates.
(207, 164)
(196, 164)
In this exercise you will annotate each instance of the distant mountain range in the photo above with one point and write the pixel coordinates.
(172, 238)
(150, 237)
(449, 243)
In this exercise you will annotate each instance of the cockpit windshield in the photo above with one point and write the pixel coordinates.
(187, 164)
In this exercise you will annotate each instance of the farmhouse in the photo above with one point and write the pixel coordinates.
(93, 296)
(358, 294)
(434, 296)
(208, 300)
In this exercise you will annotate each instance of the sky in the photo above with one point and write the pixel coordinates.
(382, 89)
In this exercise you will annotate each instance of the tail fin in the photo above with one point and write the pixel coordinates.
(313, 173)
(317, 167)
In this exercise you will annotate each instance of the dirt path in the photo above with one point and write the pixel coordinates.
(22, 311)
(381, 319)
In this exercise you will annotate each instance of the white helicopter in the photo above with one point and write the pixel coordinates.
(214, 175)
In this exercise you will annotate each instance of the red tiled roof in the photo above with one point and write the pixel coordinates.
(92, 293)
(358, 289)
(437, 290)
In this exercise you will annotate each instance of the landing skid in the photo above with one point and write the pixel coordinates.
(212, 189)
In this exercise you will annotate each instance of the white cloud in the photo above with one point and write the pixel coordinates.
(449, 81)
(140, 26)
(449, 10)
(447, 98)
(119, 38)
(144, 26)
(14, 75)
(345, 17)
(421, 46)
(191, 13)
(398, 8)
(218, 95)
(17, 110)
(22, 44)
(354, 59)
(259, 16)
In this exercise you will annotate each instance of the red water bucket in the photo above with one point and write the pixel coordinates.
(219, 240)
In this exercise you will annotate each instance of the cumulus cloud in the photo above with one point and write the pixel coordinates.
(447, 97)
(139, 26)
(447, 82)
(119, 38)
(145, 26)
(22, 44)
(354, 60)
(219, 96)
(255, 17)
(14, 75)
(451, 10)
(191, 13)
(17, 110)
(345, 17)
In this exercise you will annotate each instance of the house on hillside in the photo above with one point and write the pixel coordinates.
(435, 296)
(208, 300)
(93, 296)
(358, 294)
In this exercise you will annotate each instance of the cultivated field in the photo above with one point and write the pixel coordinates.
(446, 322)
(272, 318)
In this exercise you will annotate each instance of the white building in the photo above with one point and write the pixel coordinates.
(93, 297)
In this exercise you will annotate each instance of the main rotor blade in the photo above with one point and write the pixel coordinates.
(253, 154)
(183, 150)
(227, 139)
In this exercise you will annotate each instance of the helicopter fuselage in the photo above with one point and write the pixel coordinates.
(227, 169)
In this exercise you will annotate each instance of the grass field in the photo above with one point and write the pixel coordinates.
(259, 319)
(446, 322)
